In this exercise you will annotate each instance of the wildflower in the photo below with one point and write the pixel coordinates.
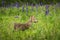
(41, 3)
(47, 9)
(47, 12)
(27, 9)
(17, 4)
(47, 6)
(22, 8)
(32, 7)
(3, 2)
(36, 8)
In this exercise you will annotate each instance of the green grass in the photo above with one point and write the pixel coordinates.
(47, 27)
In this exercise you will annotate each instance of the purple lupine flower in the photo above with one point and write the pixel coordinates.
(41, 3)
(47, 6)
(36, 5)
(23, 8)
(36, 8)
(3, 3)
(26, 9)
(46, 12)
(47, 9)
(17, 4)
(32, 7)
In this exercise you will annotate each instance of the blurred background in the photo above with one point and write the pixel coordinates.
(47, 12)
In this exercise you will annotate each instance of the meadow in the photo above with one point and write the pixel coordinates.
(47, 27)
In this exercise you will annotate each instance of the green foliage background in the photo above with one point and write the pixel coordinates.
(47, 27)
